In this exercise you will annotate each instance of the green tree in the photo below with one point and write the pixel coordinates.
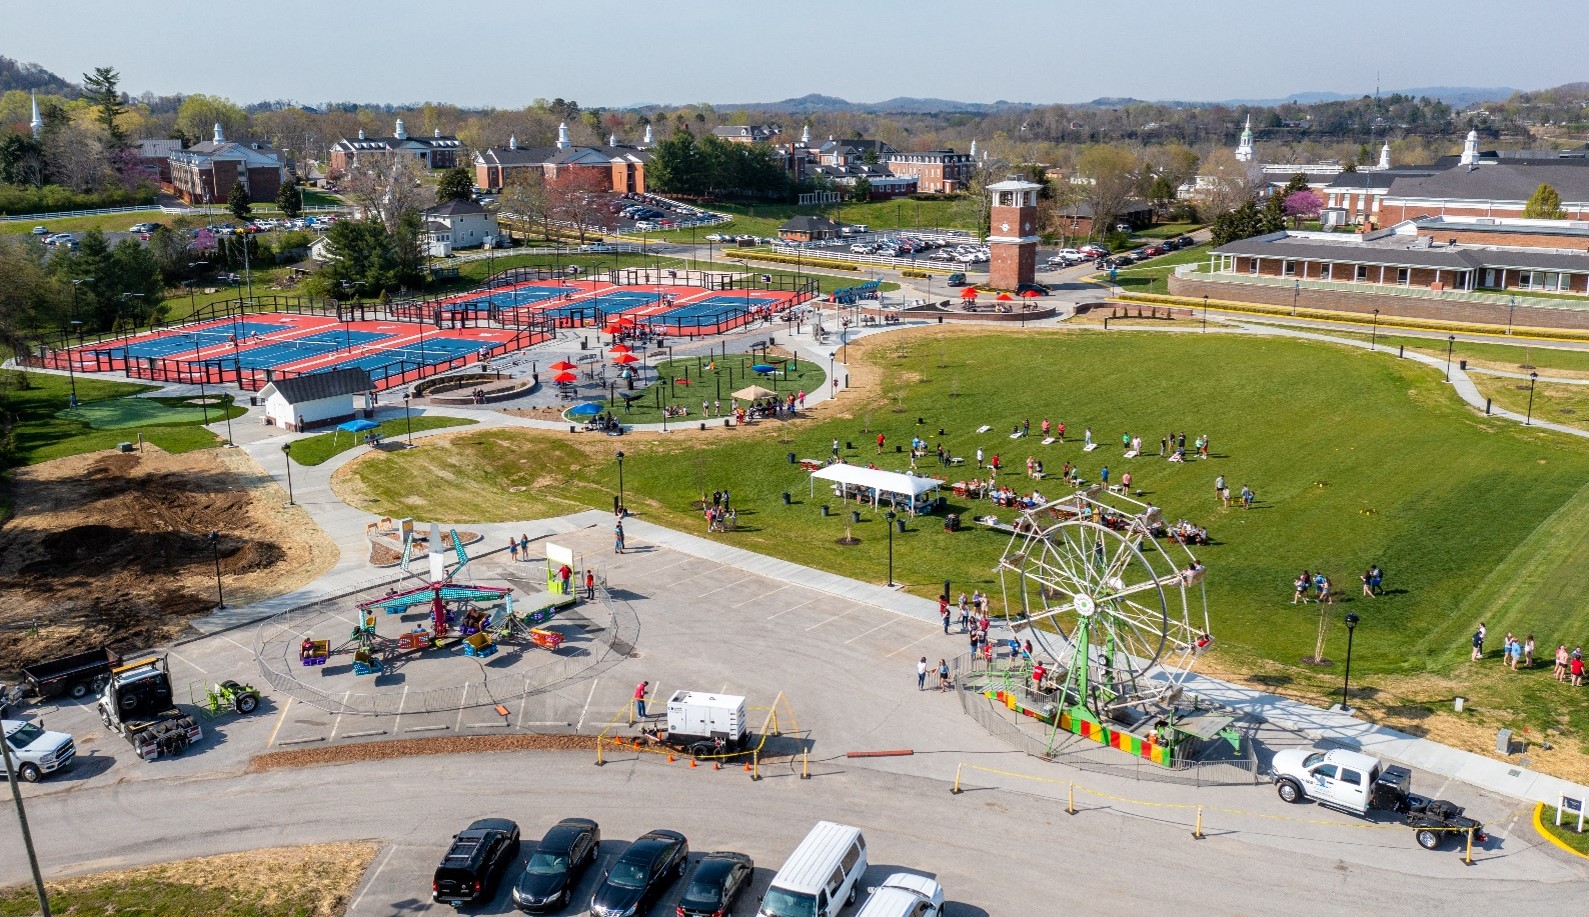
(102, 90)
(1544, 205)
(456, 184)
(409, 241)
(238, 203)
(676, 165)
(861, 191)
(30, 298)
(199, 113)
(290, 198)
(170, 251)
(1273, 216)
(1243, 222)
(134, 271)
(364, 258)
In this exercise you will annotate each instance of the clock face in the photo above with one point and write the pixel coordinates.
(1004, 227)
(1026, 227)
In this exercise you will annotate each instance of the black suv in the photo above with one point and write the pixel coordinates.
(469, 873)
(1037, 288)
(633, 883)
(556, 864)
(718, 879)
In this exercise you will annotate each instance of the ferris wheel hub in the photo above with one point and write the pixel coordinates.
(1085, 605)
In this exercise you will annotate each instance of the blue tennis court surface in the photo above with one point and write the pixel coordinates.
(507, 299)
(437, 350)
(714, 306)
(182, 342)
(304, 348)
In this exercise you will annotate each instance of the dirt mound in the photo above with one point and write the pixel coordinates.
(114, 548)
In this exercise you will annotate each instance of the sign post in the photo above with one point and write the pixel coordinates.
(1569, 804)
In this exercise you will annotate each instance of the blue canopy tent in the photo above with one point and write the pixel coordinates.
(353, 426)
(588, 409)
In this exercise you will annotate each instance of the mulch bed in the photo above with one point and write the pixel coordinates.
(406, 748)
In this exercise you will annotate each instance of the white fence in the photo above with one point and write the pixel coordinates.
(568, 251)
(841, 254)
(217, 210)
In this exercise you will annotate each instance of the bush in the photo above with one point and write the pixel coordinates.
(22, 199)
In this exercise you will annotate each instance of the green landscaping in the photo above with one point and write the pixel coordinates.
(763, 220)
(1568, 832)
(317, 449)
(45, 428)
(1167, 230)
(1498, 353)
(705, 379)
(1555, 402)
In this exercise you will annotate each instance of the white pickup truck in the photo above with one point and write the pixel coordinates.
(1357, 783)
(35, 750)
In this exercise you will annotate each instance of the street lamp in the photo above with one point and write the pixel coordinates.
(408, 419)
(1533, 377)
(204, 398)
(1205, 313)
(75, 284)
(1510, 312)
(1451, 343)
(22, 822)
(619, 505)
(215, 551)
(889, 516)
(1373, 336)
(127, 296)
(1351, 627)
(286, 451)
(66, 338)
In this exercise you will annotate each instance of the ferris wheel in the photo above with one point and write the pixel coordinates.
(1122, 613)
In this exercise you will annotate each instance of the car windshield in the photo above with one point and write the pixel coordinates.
(1313, 759)
(25, 736)
(780, 903)
(627, 875)
(702, 894)
(546, 864)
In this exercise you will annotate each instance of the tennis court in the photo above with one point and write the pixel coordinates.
(169, 345)
(281, 353)
(510, 298)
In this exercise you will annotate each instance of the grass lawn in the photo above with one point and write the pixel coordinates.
(42, 433)
(105, 222)
(1153, 277)
(1496, 353)
(1557, 402)
(764, 219)
(315, 450)
(1167, 230)
(312, 881)
(1356, 457)
(706, 384)
(1568, 832)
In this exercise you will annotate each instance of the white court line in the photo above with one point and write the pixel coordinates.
(337, 723)
(584, 710)
(787, 610)
(463, 703)
(834, 618)
(742, 579)
(873, 630)
(763, 595)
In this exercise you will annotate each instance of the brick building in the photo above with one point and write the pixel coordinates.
(623, 167)
(205, 172)
(437, 151)
(935, 171)
(1012, 241)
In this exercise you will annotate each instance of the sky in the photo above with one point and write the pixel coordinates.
(507, 54)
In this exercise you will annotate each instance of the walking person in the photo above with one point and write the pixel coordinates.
(1376, 576)
(835, 448)
(1576, 667)
(524, 547)
(943, 675)
(1560, 671)
(1219, 484)
(965, 615)
(1247, 497)
(1367, 578)
(1478, 643)
(590, 586)
(879, 444)
(640, 700)
(1506, 649)
(979, 456)
(1164, 446)
(617, 538)
(1302, 584)
(513, 549)
(1528, 652)
(943, 612)
(921, 674)
(1224, 496)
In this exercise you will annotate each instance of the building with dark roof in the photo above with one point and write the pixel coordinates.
(623, 167)
(810, 229)
(298, 403)
(205, 172)
(748, 133)
(935, 171)
(459, 224)
(437, 151)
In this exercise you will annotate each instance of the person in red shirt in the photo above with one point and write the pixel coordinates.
(1037, 676)
(879, 444)
(640, 699)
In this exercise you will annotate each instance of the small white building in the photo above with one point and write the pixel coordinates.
(322, 399)
(459, 224)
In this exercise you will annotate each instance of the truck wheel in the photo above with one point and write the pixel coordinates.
(30, 773)
(1429, 840)
(247, 703)
(1289, 791)
(79, 690)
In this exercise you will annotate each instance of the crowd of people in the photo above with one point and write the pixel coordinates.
(1518, 653)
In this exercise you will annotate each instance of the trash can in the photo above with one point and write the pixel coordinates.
(826, 511)
(791, 461)
(703, 426)
(855, 517)
(785, 496)
(253, 401)
(901, 523)
(1463, 364)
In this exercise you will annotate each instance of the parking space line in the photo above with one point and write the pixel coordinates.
(337, 723)
(762, 596)
(399, 718)
(280, 718)
(727, 585)
(834, 618)
(787, 610)
(187, 661)
(463, 703)
(693, 576)
(911, 644)
(353, 908)
(873, 630)
(583, 710)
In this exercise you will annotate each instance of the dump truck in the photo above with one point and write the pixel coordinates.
(136, 703)
(77, 675)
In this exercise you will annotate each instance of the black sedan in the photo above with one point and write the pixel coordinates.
(645, 869)
(717, 881)
(556, 864)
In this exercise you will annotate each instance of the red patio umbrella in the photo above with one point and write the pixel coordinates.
(620, 348)
(968, 293)
(563, 366)
(565, 378)
(613, 328)
(1030, 294)
(626, 358)
(1005, 297)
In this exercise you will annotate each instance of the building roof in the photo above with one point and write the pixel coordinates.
(1513, 181)
(454, 208)
(810, 224)
(1083, 209)
(1014, 184)
(759, 132)
(258, 154)
(158, 149)
(551, 155)
(366, 144)
(331, 383)
(1567, 229)
(1393, 250)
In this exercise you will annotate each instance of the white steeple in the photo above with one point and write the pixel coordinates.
(37, 124)
(1244, 151)
(1470, 148)
(402, 132)
(361, 133)
(563, 142)
(650, 138)
(973, 149)
(513, 142)
(612, 139)
(220, 136)
(805, 132)
(1384, 156)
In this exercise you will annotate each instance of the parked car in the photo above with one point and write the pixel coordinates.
(635, 881)
(957, 279)
(1037, 288)
(1153, 251)
(555, 865)
(474, 863)
(40, 230)
(718, 879)
(1093, 251)
(1183, 242)
(904, 894)
(37, 751)
(820, 877)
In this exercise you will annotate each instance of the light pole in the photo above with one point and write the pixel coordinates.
(1373, 336)
(286, 452)
(193, 282)
(1296, 290)
(22, 822)
(408, 419)
(127, 296)
(215, 551)
(204, 398)
(75, 284)
(889, 517)
(1205, 313)
(1533, 377)
(1510, 312)
(66, 339)
(619, 506)
(1451, 343)
(1351, 627)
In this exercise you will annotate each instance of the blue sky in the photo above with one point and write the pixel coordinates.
(723, 51)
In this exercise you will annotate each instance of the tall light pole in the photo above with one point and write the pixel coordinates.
(66, 338)
(22, 822)
(1351, 627)
(1510, 312)
(127, 296)
(215, 551)
(1533, 377)
(1451, 343)
(204, 398)
(75, 284)
(619, 506)
(889, 517)
(1373, 336)
(286, 453)
(408, 419)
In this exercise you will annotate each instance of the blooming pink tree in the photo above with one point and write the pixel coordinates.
(1303, 205)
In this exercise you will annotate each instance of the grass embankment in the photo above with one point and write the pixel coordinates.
(1568, 832)
(1167, 231)
(43, 433)
(1357, 458)
(880, 216)
(1153, 277)
(320, 448)
(309, 881)
(707, 379)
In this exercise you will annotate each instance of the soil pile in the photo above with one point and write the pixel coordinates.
(114, 548)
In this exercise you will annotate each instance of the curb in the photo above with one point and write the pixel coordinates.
(1539, 825)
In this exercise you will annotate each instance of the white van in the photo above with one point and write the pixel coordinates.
(820, 877)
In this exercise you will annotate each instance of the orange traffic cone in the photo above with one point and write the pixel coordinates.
(670, 757)
(747, 767)
(717, 765)
(692, 763)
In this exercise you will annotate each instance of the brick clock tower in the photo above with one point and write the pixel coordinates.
(1012, 241)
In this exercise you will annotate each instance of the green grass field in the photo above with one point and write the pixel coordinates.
(696, 381)
(43, 433)
(1556, 402)
(1568, 832)
(1498, 353)
(764, 219)
(320, 448)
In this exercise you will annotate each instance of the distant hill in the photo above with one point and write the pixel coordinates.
(815, 103)
(1455, 96)
(31, 78)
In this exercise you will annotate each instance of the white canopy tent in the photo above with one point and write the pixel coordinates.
(879, 486)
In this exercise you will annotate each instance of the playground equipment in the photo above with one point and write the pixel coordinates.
(1088, 582)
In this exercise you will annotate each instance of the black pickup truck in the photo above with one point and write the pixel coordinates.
(78, 675)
